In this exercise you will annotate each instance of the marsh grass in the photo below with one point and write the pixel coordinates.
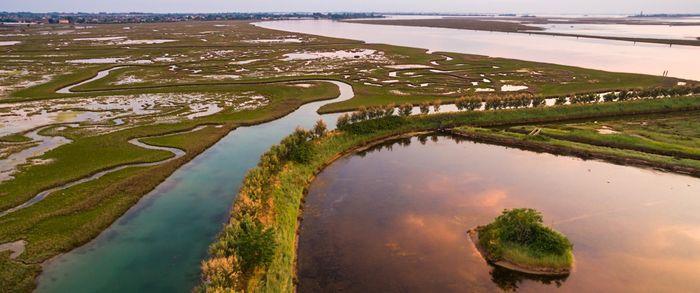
(521, 255)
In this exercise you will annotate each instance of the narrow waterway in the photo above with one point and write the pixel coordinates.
(158, 244)
(394, 219)
(679, 61)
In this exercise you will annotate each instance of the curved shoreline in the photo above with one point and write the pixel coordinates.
(582, 154)
(176, 154)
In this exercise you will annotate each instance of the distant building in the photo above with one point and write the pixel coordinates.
(63, 21)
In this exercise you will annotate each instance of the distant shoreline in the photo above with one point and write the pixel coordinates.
(506, 26)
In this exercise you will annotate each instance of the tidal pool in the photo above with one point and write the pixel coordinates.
(394, 218)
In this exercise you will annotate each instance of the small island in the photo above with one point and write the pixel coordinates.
(518, 240)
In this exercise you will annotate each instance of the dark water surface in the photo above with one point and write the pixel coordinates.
(393, 219)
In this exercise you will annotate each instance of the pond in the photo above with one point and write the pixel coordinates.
(394, 218)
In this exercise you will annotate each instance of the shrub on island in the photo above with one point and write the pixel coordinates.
(518, 240)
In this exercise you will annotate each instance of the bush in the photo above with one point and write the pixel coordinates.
(522, 227)
(299, 146)
(405, 110)
(436, 105)
(424, 107)
(254, 245)
(560, 101)
(320, 128)
(389, 110)
(343, 120)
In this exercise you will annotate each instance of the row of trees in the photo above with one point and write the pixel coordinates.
(626, 95)
(248, 241)
(373, 112)
(519, 100)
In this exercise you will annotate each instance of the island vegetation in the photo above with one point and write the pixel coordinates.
(518, 240)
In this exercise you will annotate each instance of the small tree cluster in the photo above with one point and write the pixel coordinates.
(320, 128)
(363, 113)
(424, 107)
(584, 99)
(405, 110)
(468, 103)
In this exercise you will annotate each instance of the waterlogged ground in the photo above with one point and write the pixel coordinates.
(79, 101)
(394, 219)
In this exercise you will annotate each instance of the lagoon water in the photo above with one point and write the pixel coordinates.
(394, 219)
(680, 61)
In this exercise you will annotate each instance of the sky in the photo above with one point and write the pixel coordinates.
(461, 6)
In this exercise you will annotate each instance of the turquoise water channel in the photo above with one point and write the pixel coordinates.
(158, 244)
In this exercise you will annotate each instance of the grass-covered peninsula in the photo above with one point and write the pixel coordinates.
(256, 251)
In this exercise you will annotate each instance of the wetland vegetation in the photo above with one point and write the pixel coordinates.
(185, 86)
(272, 195)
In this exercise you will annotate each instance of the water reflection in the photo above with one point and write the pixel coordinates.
(680, 61)
(508, 280)
(394, 218)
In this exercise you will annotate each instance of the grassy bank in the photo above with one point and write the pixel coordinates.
(256, 250)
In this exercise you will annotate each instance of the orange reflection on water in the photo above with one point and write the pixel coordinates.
(396, 220)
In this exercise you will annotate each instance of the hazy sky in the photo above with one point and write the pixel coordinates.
(518, 6)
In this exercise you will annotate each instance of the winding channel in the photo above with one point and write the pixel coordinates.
(158, 243)
(176, 154)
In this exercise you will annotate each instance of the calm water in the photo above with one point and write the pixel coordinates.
(158, 244)
(395, 220)
(680, 61)
(621, 30)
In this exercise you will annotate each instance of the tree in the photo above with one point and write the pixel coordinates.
(343, 120)
(320, 128)
(405, 109)
(538, 102)
(461, 103)
(560, 100)
(389, 110)
(254, 244)
(424, 107)
(609, 97)
(436, 105)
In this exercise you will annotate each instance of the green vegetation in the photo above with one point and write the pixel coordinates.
(15, 138)
(272, 192)
(518, 236)
(251, 83)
